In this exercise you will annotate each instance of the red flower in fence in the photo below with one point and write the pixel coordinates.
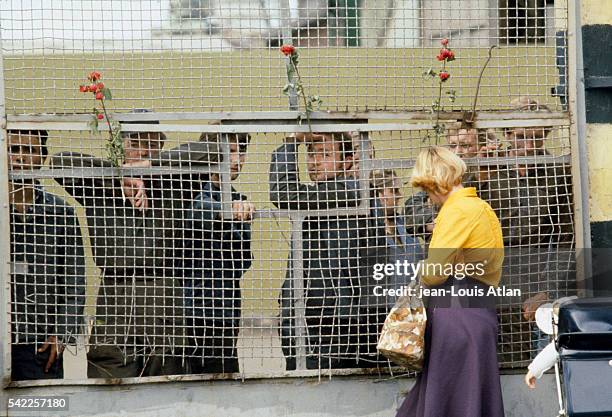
(114, 145)
(288, 50)
(295, 85)
(94, 76)
(445, 56)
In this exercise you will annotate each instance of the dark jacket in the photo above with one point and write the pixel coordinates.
(522, 208)
(556, 181)
(123, 238)
(217, 254)
(140, 300)
(333, 248)
(48, 271)
(388, 250)
(419, 211)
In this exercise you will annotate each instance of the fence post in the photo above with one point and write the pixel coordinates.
(5, 240)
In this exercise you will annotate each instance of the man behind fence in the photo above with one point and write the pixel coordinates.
(555, 273)
(135, 226)
(331, 252)
(48, 266)
(217, 254)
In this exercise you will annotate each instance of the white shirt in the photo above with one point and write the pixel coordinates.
(545, 360)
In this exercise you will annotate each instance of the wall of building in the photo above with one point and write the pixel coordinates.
(596, 19)
(339, 397)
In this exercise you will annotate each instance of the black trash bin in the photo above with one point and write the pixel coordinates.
(584, 344)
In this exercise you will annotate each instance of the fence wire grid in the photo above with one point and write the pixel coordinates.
(233, 247)
(212, 55)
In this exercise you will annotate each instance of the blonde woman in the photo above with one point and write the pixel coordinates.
(460, 376)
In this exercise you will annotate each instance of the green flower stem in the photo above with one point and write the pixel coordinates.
(110, 128)
(112, 140)
(297, 72)
(439, 106)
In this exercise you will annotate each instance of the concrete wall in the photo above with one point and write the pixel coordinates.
(596, 31)
(346, 396)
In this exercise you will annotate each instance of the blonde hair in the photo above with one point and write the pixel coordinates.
(438, 170)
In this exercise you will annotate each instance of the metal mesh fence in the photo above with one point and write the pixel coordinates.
(222, 55)
(235, 247)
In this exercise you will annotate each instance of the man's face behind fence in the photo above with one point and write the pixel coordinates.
(237, 158)
(526, 142)
(26, 151)
(325, 160)
(463, 142)
(142, 146)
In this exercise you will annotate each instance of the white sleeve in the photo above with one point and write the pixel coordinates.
(544, 361)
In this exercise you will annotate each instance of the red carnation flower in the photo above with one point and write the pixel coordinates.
(99, 96)
(83, 89)
(444, 75)
(288, 50)
(100, 116)
(94, 76)
(444, 42)
(100, 86)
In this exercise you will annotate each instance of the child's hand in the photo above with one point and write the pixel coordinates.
(243, 211)
(530, 380)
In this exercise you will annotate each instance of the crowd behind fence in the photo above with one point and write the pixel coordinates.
(246, 246)
(237, 252)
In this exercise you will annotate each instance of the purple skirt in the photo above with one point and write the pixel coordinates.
(460, 375)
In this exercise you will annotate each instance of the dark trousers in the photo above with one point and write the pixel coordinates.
(331, 343)
(111, 362)
(213, 346)
(139, 327)
(28, 363)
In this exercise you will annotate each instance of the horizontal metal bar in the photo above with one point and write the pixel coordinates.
(285, 115)
(272, 376)
(493, 161)
(208, 377)
(109, 172)
(594, 82)
(287, 128)
(524, 160)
